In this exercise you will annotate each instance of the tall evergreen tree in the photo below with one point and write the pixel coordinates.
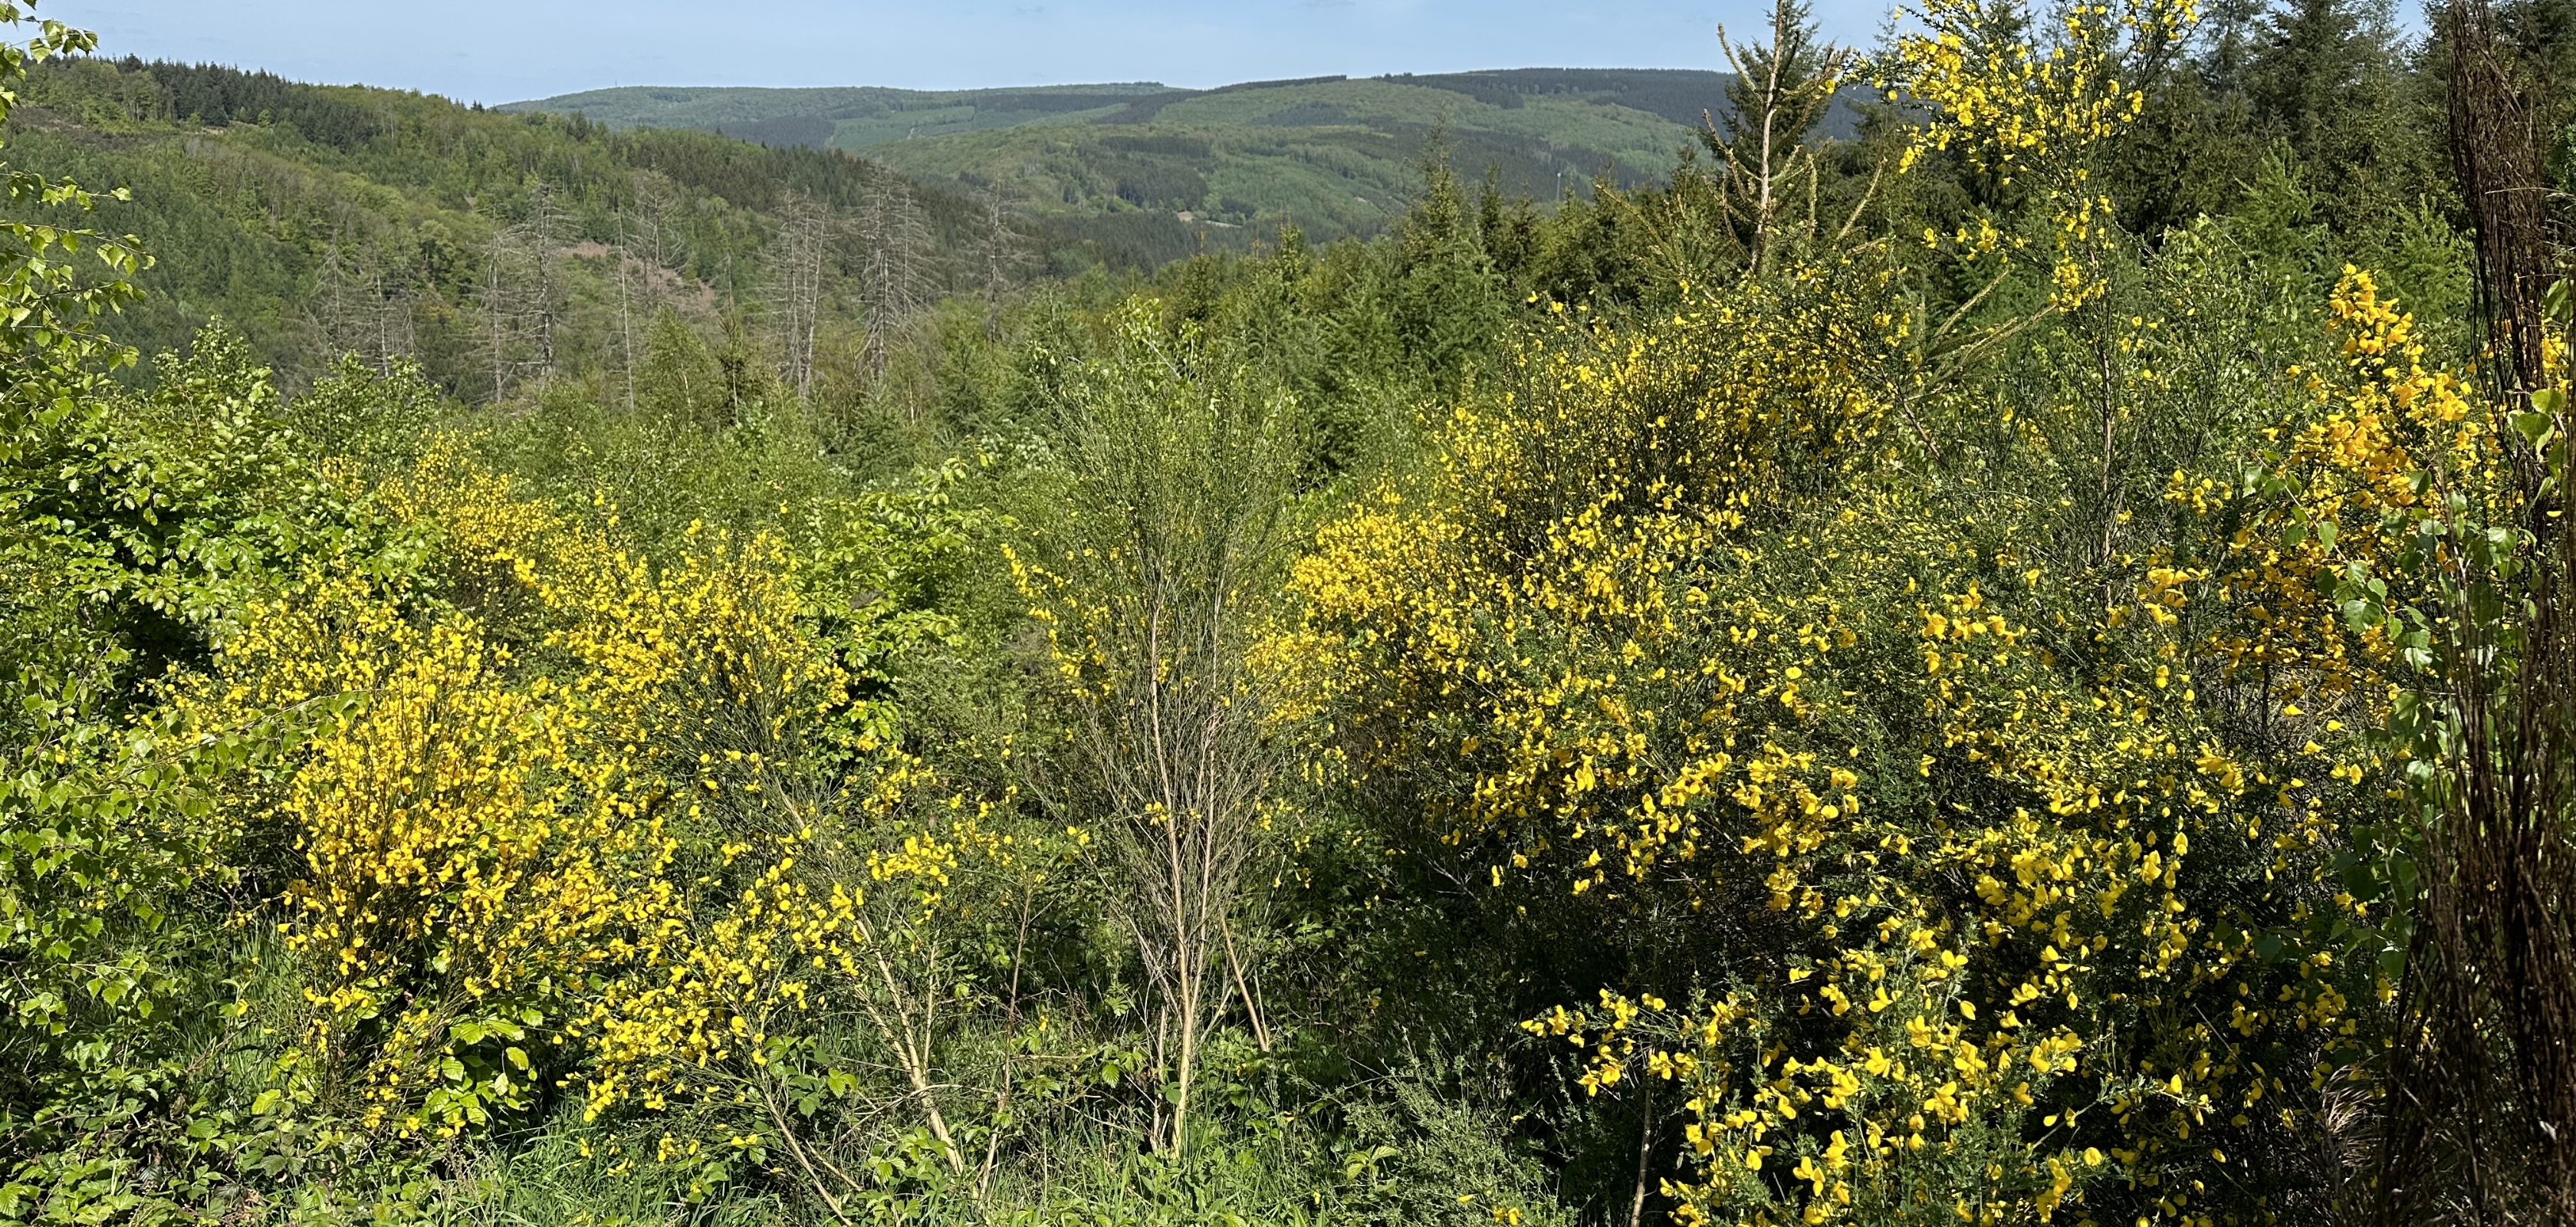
(2326, 78)
(2542, 35)
(2191, 154)
(1446, 308)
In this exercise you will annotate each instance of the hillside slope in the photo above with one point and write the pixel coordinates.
(1331, 154)
(852, 117)
(303, 215)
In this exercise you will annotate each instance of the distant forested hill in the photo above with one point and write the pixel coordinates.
(266, 201)
(1331, 154)
(847, 117)
(293, 210)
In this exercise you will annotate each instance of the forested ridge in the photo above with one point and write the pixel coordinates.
(2011, 666)
(1331, 155)
(301, 214)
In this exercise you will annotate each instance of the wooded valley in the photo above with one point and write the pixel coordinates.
(1989, 642)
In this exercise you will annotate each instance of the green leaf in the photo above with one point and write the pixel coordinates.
(2535, 426)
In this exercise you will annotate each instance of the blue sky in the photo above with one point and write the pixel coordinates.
(505, 50)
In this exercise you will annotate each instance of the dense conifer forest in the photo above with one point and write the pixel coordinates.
(2001, 659)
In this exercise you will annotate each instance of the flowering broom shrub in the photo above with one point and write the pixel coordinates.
(1970, 899)
(566, 837)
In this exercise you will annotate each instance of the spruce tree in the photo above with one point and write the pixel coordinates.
(1780, 94)
(2325, 78)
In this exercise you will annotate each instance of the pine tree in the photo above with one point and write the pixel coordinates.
(1782, 90)
(2312, 55)
(2542, 36)
(2324, 77)
(1446, 311)
(2195, 150)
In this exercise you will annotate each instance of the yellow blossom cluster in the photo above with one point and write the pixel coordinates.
(1983, 907)
(498, 875)
(2032, 112)
(2383, 442)
(713, 996)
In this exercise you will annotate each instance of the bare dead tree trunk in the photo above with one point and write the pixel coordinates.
(2479, 1117)
(544, 234)
(357, 310)
(1002, 256)
(653, 253)
(803, 251)
(498, 300)
(395, 337)
(626, 274)
(335, 315)
(523, 296)
(895, 274)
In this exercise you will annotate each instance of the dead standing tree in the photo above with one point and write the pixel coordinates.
(523, 297)
(652, 248)
(1001, 256)
(357, 309)
(894, 273)
(2479, 1117)
(808, 234)
(1150, 591)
